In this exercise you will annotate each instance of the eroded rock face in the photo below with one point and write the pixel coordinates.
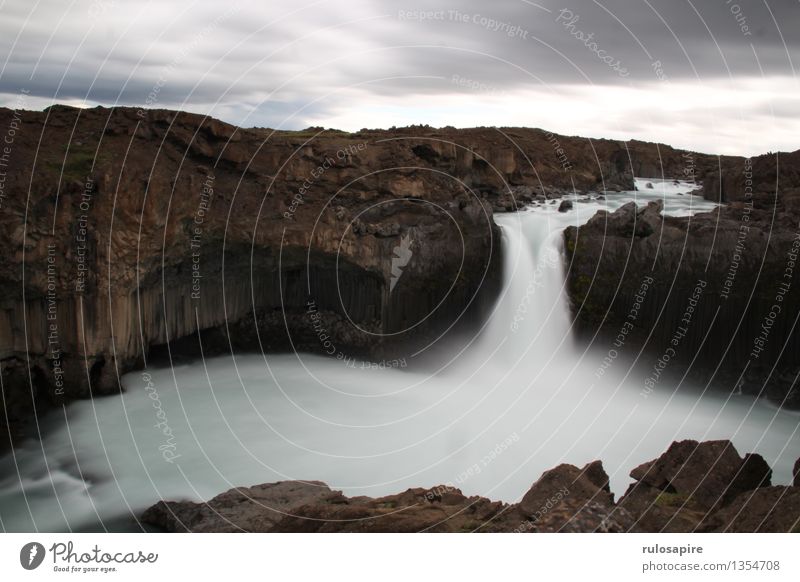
(691, 487)
(726, 269)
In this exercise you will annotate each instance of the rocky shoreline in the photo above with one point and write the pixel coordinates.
(692, 487)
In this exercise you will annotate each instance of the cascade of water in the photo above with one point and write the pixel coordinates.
(523, 388)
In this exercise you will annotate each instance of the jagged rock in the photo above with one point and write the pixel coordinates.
(587, 484)
(753, 473)
(704, 474)
(570, 499)
(691, 480)
(595, 472)
(256, 508)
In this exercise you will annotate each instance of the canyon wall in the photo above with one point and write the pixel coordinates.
(717, 294)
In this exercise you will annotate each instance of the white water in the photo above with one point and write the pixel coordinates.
(521, 399)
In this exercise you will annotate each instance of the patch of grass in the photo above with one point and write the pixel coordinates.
(77, 166)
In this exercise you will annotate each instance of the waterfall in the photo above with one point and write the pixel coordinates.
(519, 400)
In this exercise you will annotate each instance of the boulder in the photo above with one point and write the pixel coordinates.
(705, 475)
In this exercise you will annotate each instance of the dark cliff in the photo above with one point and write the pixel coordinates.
(724, 298)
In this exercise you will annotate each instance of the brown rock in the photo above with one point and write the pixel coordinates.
(768, 509)
(753, 473)
(440, 509)
(595, 472)
(705, 474)
(252, 509)
(658, 511)
(677, 492)
(561, 498)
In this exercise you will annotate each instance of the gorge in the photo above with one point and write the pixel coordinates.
(217, 266)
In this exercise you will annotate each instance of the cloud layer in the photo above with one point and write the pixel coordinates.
(714, 76)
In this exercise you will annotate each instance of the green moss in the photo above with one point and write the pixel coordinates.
(665, 499)
(77, 166)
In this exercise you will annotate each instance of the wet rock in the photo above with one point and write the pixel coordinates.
(796, 473)
(565, 205)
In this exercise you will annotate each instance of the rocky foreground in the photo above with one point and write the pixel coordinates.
(692, 487)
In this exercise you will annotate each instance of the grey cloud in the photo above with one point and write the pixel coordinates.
(329, 46)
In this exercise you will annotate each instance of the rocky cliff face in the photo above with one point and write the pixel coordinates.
(692, 487)
(717, 293)
(129, 231)
(768, 180)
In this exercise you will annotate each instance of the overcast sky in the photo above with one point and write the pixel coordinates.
(710, 75)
